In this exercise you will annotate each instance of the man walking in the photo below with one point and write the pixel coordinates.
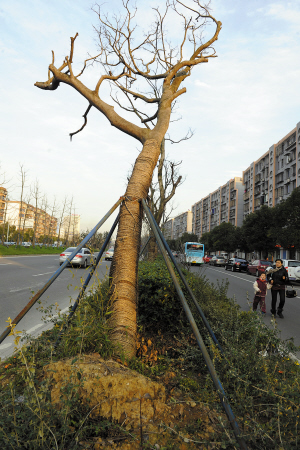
(278, 278)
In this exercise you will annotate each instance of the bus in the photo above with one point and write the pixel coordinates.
(193, 252)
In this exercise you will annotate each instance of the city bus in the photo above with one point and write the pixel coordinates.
(193, 252)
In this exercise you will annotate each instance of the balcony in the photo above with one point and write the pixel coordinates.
(246, 196)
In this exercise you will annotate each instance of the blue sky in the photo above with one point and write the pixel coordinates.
(238, 104)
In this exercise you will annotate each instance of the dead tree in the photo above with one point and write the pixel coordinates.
(23, 174)
(126, 62)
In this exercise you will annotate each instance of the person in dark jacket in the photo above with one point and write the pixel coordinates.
(278, 278)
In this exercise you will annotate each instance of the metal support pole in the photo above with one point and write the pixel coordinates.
(197, 335)
(87, 280)
(58, 272)
(205, 321)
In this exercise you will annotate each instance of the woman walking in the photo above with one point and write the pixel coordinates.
(278, 278)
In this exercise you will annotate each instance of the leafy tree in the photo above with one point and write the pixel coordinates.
(128, 57)
(256, 230)
(206, 239)
(188, 237)
(224, 237)
(286, 223)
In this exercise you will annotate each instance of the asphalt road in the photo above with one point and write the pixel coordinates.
(20, 276)
(241, 289)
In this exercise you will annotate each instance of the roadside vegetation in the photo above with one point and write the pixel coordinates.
(259, 376)
(19, 250)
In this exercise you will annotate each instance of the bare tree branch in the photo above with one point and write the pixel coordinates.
(85, 122)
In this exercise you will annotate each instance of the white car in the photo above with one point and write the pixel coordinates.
(293, 268)
(83, 258)
(109, 254)
(26, 244)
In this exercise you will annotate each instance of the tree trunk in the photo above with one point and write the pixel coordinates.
(152, 249)
(124, 273)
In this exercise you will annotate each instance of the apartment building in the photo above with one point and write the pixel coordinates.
(182, 224)
(168, 229)
(225, 204)
(3, 199)
(178, 225)
(273, 177)
(25, 216)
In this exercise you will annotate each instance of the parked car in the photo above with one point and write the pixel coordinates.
(236, 264)
(293, 268)
(83, 258)
(174, 253)
(258, 267)
(26, 244)
(217, 261)
(109, 254)
(207, 258)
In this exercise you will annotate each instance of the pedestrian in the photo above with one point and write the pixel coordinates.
(260, 288)
(278, 278)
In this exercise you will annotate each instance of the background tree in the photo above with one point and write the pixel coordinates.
(61, 219)
(257, 233)
(286, 223)
(22, 176)
(206, 239)
(36, 195)
(224, 237)
(127, 57)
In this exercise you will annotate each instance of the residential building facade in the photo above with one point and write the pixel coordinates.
(179, 225)
(271, 179)
(3, 200)
(25, 216)
(168, 229)
(225, 204)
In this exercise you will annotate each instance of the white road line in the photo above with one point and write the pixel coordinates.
(39, 325)
(226, 273)
(7, 264)
(40, 274)
(20, 289)
(3, 346)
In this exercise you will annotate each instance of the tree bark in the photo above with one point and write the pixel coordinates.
(124, 273)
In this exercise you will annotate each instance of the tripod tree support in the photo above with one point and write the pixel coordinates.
(197, 334)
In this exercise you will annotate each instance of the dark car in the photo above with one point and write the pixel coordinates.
(236, 264)
(258, 267)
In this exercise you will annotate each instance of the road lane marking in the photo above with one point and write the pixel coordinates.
(40, 274)
(20, 289)
(7, 264)
(226, 273)
(3, 346)
(39, 325)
